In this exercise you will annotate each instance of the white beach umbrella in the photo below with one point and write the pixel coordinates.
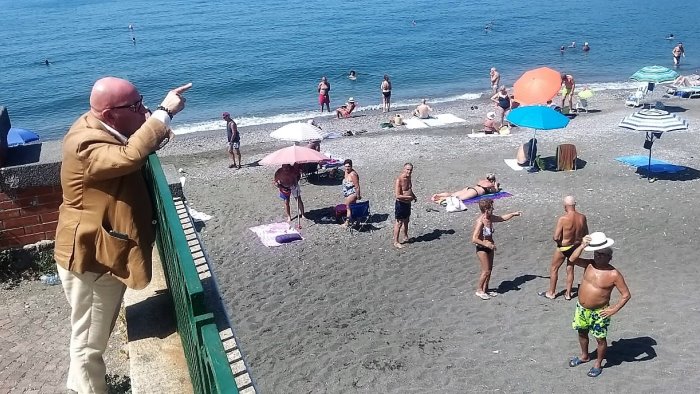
(297, 132)
(654, 122)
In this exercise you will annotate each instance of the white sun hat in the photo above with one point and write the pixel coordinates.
(599, 241)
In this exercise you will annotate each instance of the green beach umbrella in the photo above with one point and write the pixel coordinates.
(655, 74)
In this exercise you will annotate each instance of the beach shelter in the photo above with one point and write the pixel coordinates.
(654, 74)
(297, 132)
(537, 86)
(292, 155)
(537, 117)
(654, 122)
(16, 137)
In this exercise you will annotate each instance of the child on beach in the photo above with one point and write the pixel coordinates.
(482, 237)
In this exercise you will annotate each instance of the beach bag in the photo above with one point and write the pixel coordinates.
(454, 204)
(398, 120)
(505, 130)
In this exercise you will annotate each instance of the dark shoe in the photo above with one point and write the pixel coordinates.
(594, 372)
(575, 362)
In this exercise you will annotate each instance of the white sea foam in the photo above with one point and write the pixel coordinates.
(256, 120)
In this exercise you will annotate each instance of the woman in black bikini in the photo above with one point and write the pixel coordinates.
(483, 186)
(502, 100)
(482, 237)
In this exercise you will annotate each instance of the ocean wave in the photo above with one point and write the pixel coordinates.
(257, 120)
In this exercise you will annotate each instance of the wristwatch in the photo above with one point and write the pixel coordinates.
(170, 113)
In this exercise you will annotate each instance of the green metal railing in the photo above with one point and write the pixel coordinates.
(206, 359)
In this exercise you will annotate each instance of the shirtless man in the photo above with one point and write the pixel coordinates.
(234, 141)
(593, 310)
(569, 86)
(423, 110)
(495, 79)
(403, 191)
(324, 87)
(570, 230)
(287, 181)
(386, 94)
(678, 51)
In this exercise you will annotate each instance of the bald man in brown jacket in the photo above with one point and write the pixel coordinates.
(105, 231)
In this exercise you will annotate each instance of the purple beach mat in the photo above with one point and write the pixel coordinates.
(493, 196)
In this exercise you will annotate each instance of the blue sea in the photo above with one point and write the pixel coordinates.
(261, 60)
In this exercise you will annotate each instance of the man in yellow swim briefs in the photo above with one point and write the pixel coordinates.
(568, 233)
(569, 85)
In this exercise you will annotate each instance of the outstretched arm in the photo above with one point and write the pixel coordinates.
(506, 217)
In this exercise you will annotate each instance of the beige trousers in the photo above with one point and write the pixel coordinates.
(95, 300)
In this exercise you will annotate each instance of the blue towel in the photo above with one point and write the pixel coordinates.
(642, 162)
(493, 196)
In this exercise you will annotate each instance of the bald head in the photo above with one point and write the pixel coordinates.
(111, 92)
(570, 201)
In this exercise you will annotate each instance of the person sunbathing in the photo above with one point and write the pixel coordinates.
(690, 80)
(483, 186)
(346, 109)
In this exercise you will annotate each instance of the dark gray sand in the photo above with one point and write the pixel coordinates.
(341, 312)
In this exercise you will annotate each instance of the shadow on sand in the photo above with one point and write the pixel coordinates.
(514, 285)
(431, 236)
(630, 350)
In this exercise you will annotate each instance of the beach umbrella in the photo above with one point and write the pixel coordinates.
(537, 117)
(297, 132)
(585, 94)
(17, 137)
(654, 74)
(654, 122)
(537, 86)
(291, 155)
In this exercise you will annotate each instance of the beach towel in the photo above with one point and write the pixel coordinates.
(642, 162)
(442, 120)
(414, 123)
(493, 196)
(482, 135)
(269, 232)
(512, 163)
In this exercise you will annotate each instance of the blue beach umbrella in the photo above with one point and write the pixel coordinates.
(537, 117)
(655, 74)
(20, 137)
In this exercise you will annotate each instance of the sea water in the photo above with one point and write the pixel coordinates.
(261, 60)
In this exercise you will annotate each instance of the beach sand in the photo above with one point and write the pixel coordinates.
(341, 312)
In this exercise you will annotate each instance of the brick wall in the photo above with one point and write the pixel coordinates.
(28, 215)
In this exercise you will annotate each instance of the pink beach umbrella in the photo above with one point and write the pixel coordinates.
(292, 155)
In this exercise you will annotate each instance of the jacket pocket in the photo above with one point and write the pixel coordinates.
(112, 251)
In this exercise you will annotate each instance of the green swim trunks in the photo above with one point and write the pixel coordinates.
(590, 319)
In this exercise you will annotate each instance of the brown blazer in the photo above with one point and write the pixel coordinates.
(106, 222)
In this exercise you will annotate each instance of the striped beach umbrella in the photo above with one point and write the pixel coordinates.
(654, 121)
(655, 74)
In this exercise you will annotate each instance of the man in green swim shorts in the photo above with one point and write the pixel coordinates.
(592, 309)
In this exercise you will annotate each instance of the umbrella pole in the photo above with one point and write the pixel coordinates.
(532, 147)
(298, 214)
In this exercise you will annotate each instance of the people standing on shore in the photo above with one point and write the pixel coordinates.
(677, 52)
(495, 77)
(234, 141)
(502, 100)
(105, 229)
(423, 110)
(569, 84)
(568, 235)
(351, 188)
(386, 94)
(482, 237)
(593, 310)
(324, 98)
(287, 181)
(403, 192)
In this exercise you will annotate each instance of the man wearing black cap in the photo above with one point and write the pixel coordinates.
(234, 141)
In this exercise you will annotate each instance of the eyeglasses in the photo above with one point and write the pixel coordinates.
(135, 107)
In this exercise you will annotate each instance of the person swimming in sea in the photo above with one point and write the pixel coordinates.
(352, 76)
(670, 37)
(586, 47)
(47, 62)
(573, 44)
(562, 49)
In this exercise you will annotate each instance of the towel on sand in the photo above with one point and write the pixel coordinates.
(642, 162)
(414, 123)
(512, 163)
(268, 232)
(493, 196)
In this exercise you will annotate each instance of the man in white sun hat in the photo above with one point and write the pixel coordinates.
(593, 310)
